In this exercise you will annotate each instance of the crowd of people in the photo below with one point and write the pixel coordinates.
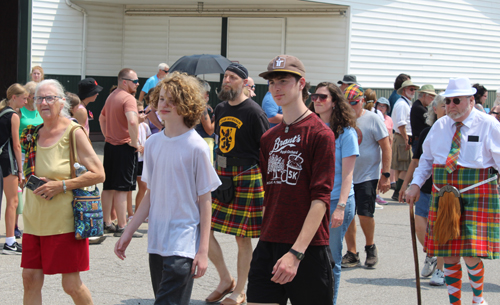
(311, 167)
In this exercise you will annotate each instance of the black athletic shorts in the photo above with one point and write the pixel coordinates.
(7, 170)
(120, 166)
(313, 283)
(365, 194)
(140, 166)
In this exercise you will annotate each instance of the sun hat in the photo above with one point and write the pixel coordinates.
(285, 63)
(88, 87)
(429, 89)
(383, 100)
(348, 79)
(459, 87)
(353, 91)
(406, 83)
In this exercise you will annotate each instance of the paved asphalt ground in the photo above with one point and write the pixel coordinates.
(392, 282)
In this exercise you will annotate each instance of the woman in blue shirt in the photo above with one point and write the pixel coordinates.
(332, 107)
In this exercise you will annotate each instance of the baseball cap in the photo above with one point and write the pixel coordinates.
(285, 63)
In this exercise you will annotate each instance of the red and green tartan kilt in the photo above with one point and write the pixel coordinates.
(479, 224)
(242, 216)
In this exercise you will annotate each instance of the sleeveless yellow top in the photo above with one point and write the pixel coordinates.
(51, 217)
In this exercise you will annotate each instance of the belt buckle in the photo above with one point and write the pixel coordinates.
(449, 189)
(221, 161)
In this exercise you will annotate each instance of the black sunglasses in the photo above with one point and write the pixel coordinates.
(166, 71)
(317, 96)
(455, 100)
(135, 81)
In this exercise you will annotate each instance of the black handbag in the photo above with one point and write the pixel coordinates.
(225, 192)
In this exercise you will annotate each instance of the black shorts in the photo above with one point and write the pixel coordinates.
(120, 166)
(7, 170)
(140, 165)
(365, 194)
(313, 283)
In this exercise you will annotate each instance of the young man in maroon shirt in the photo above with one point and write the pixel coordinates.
(292, 259)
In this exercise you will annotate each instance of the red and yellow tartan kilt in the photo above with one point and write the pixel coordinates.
(242, 216)
(479, 223)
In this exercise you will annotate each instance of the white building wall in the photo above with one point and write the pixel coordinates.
(430, 40)
(56, 42)
(104, 39)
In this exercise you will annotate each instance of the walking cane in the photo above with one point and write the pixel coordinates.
(415, 254)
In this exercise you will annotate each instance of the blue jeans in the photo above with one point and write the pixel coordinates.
(337, 238)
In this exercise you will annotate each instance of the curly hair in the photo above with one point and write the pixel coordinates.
(343, 115)
(187, 94)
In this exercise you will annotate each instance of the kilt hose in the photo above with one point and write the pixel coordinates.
(243, 215)
(479, 223)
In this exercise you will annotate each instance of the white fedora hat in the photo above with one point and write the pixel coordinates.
(459, 87)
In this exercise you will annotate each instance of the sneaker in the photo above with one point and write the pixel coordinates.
(437, 278)
(96, 240)
(395, 196)
(109, 229)
(371, 256)
(378, 206)
(17, 233)
(119, 232)
(429, 266)
(380, 200)
(350, 260)
(14, 249)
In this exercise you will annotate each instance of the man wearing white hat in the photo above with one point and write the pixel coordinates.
(462, 152)
(401, 153)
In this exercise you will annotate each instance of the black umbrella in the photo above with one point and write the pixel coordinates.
(201, 64)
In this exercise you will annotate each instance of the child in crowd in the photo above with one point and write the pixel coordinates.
(144, 134)
(180, 180)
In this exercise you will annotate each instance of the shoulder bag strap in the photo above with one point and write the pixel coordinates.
(72, 148)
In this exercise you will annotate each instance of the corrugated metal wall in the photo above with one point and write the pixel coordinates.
(56, 37)
(430, 40)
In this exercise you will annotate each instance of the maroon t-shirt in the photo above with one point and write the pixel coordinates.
(297, 168)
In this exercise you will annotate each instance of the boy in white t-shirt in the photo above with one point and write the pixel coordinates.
(180, 179)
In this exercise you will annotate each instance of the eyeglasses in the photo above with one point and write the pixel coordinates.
(251, 87)
(50, 99)
(412, 89)
(135, 81)
(354, 102)
(316, 96)
(166, 71)
(141, 111)
(456, 100)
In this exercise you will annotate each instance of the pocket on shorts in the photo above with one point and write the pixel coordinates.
(403, 154)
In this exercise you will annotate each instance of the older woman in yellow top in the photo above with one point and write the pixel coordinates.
(49, 244)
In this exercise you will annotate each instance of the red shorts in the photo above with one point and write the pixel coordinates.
(55, 254)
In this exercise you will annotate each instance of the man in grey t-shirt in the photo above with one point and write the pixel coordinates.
(374, 145)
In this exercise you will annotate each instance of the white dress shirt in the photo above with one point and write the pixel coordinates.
(401, 115)
(479, 144)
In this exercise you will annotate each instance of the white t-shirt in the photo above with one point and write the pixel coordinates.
(177, 170)
(144, 133)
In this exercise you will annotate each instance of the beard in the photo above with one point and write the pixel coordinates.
(229, 94)
(458, 114)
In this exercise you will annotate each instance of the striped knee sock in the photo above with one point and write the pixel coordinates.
(476, 278)
(453, 279)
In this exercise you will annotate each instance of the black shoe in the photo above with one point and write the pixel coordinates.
(119, 232)
(14, 249)
(350, 260)
(109, 229)
(371, 256)
(17, 233)
(395, 196)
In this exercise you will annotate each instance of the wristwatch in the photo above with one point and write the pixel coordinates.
(299, 255)
(387, 175)
(341, 205)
